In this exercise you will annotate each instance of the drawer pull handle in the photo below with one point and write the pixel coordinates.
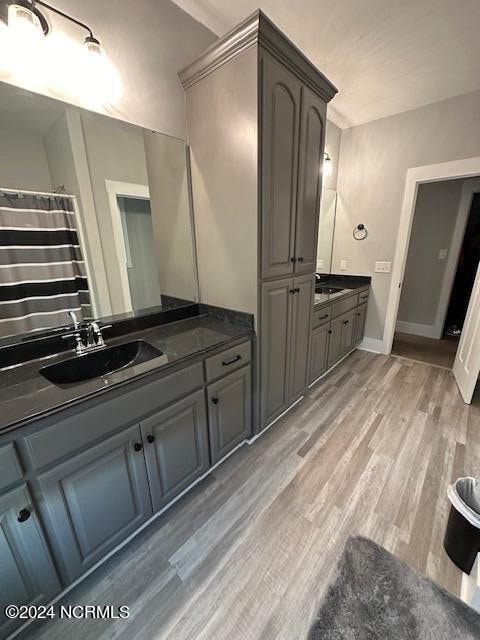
(215, 400)
(323, 317)
(23, 515)
(236, 358)
(364, 297)
(150, 438)
(138, 446)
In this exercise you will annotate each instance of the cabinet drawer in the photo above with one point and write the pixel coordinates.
(363, 296)
(90, 424)
(10, 468)
(321, 316)
(228, 361)
(342, 306)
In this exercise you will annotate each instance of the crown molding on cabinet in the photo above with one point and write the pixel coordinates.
(260, 30)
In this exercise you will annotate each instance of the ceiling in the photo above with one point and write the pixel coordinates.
(384, 56)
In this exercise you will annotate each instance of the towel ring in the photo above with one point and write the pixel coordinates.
(360, 232)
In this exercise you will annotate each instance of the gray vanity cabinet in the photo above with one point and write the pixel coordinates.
(312, 126)
(94, 500)
(230, 412)
(360, 322)
(27, 574)
(319, 352)
(280, 133)
(176, 447)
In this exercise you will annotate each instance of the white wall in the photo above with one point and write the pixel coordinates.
(148, 41)
(436, 212)
(374, 159)
(23, 163)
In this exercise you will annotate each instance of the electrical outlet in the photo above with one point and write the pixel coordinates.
(343, 265)
(442, 254)
(383, 267)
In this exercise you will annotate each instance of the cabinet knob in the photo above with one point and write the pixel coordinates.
(24, 515)
(215, 400)
(297, 289)
(150, 438)
(292, 259)
(300, 259)
(346, 321)
(292, 290)
(138, 446)
(329, 331)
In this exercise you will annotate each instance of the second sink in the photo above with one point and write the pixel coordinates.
(98, 363)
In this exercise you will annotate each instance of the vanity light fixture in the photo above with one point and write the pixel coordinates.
(27, 26)
(26, 14)
(327, 165)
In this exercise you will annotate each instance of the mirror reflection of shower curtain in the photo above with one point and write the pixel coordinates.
(42, 272)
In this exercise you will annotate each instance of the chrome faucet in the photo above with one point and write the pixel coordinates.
(94, 338)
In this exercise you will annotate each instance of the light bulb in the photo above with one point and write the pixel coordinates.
(327, 166)
(25, 45)
(23, 22)
(101, 82)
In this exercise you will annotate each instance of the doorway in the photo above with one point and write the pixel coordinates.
(141, 264)
(442, 260)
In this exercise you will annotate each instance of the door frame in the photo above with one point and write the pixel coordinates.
(129, 190)
(455, 169)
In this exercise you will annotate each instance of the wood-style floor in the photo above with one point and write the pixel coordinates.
(437, 352)
(248, 554)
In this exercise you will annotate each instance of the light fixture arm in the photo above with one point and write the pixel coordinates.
(66, 16)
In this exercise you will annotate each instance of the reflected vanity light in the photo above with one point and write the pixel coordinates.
(327, 165)
(34, 55)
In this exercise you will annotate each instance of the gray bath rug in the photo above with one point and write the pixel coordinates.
(375, 595)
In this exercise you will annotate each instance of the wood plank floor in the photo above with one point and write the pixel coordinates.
(248, 554)
(438, 352)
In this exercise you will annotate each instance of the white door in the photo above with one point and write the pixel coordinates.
(466, 368)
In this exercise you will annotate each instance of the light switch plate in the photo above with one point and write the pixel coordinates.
(383, 267)
(343, 265)
(442, 254)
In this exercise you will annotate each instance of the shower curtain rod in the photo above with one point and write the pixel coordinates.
(37, 193)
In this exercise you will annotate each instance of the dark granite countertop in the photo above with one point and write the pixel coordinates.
(348, 285)
(26, 395)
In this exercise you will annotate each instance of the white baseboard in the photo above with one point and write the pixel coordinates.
(373, 345)
(260, 433)
(417, 329)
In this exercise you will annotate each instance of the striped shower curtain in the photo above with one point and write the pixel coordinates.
(42, 272)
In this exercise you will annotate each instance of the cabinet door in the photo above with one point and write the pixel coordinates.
(312, 133)
(360, 323)
(302, 311)
(27, 575)
(229, 412)
(319, 352)
(280, 130)
(348, 331)
(176, 448)
(96, 499)
(335, 349)
(275, 333)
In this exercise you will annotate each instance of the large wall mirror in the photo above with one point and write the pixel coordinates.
(326, 230)
(94, 217)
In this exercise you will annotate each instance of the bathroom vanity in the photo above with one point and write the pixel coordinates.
(84, 466)
(339, 315)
